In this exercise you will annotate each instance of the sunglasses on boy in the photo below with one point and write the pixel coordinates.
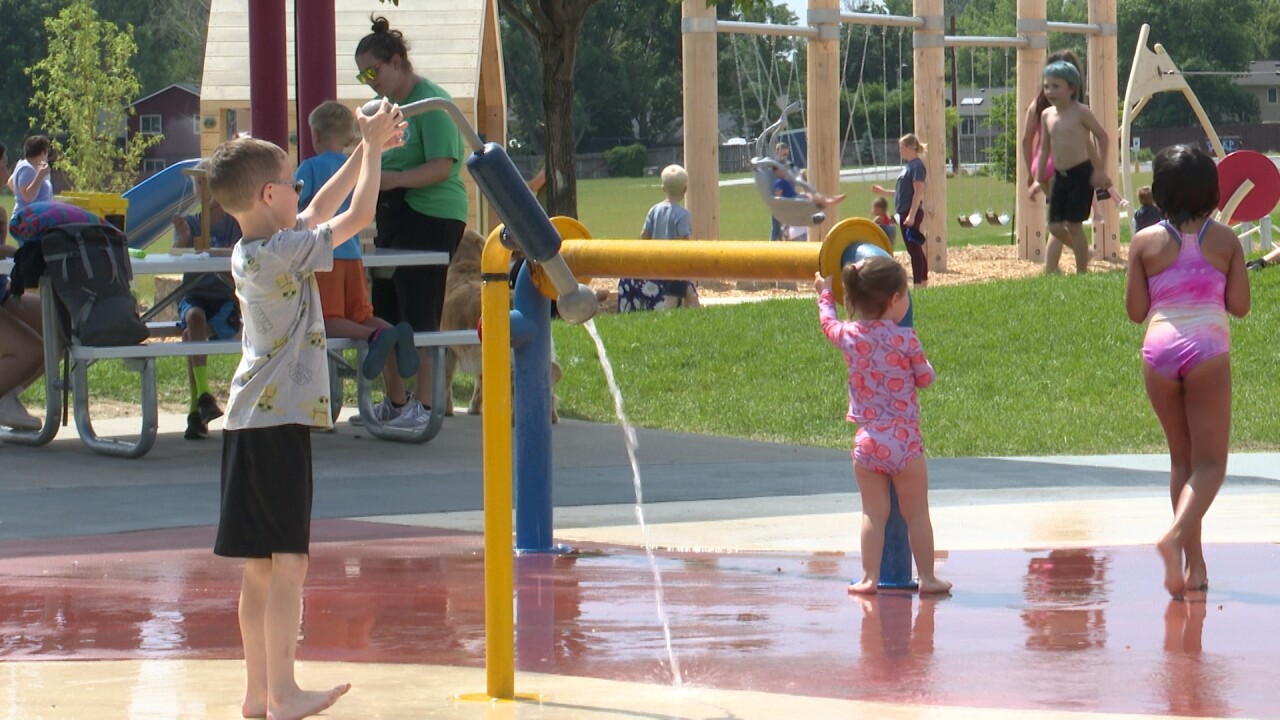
(368, 74)
(297, 184)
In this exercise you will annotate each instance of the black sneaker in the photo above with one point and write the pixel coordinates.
(1255, 264)
(209, 410)
(196, 429)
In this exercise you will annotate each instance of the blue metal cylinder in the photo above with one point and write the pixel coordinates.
(511, 198)
(532, 413)
(895, 559)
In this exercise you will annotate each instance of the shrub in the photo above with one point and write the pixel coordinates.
(626, 160)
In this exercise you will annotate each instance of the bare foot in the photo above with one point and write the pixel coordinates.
(1196, 581)
(1171, 554)
(1196, 577)
(865, 586)
(306, 703)
(254, 708)
(933, 586)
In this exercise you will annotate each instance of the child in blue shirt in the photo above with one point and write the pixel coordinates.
(208, 310)
(344, 291)
(666, 220)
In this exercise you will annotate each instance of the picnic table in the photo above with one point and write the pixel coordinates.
(141, 358)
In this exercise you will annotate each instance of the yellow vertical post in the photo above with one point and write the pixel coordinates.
(701, 117)
(931, 126)
(499, 565)
(1030, 214)
(1103, 86)
(822, 86)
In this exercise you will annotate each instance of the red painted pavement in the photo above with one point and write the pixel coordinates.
(1084, 630)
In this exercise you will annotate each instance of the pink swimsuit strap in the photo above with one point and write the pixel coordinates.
(1191, 280)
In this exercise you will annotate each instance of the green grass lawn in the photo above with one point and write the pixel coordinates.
(1044, 365)
(615, 207)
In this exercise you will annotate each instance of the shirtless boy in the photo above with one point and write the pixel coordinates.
(1078, 158)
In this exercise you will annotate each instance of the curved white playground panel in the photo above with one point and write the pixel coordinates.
(1248, 181)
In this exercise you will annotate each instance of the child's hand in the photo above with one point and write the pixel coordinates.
(1034, 191)
(181, 231)
(382, 127)
(1099, 179)
(877, 189)
(820, 284)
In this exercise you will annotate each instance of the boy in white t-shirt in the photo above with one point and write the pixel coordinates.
(281, 390)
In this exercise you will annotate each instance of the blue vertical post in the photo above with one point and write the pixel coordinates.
(531, 343)
(895, 560)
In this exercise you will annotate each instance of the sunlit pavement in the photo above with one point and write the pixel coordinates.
(1058, 610)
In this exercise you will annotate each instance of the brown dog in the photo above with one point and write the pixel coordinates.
(462, 312)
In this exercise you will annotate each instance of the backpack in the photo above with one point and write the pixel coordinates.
(89, 270)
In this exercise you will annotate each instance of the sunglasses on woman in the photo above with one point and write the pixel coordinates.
(368, 74)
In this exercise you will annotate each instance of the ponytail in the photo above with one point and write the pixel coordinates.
(870, 284)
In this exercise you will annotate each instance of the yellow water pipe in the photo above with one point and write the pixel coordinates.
(718, 259)
(499, 562)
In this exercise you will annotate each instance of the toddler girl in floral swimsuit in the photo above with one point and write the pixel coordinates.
(886, 365)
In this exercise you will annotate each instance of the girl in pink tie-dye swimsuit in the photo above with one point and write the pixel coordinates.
(1187, 320)
(1185, 277)
(886, 365)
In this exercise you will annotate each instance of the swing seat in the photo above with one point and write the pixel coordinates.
(797, 211)
(964, 220)
(971, 220)
(997, 219)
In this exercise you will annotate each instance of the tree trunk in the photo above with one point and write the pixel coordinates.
(559, 47)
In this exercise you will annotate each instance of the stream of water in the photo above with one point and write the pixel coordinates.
(629, 434)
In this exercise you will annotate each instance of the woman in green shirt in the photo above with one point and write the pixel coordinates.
(422, 204)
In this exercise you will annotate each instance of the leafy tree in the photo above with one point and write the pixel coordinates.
(1003, 152)
(170, 35)
(1267, 30)
(84, 87)
(758, 76)
(23, 38)
(1200, 36)
(628, 74)
(555, 27)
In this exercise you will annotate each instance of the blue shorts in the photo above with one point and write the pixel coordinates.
(224, 319)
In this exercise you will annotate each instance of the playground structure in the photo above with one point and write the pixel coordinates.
(797, 211)
(1249, 182)
(700, 28)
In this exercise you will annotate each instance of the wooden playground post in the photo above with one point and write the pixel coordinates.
(822, 85)
(201, 183)
(1103, 101)
(1029, 215)
(701, 132)
(931, 125)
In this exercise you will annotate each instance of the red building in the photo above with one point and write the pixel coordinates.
(173, 112)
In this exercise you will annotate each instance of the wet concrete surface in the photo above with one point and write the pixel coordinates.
(1082, 629)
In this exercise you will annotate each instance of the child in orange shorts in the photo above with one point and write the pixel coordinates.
(344, 292)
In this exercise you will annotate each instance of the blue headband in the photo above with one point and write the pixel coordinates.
(1063, 70)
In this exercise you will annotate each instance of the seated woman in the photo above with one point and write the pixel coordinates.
(21, 355)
